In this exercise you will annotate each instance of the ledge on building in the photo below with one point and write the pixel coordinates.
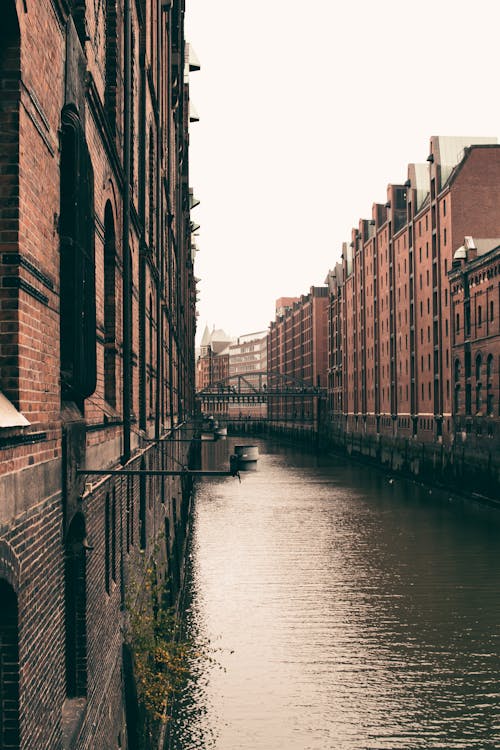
(73, 712)
(9, 415)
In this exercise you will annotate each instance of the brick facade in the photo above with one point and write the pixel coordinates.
(475, 346)
(97, 327)
(392, 300)
(297, 348)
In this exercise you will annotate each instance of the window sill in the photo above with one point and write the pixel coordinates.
(73, 712)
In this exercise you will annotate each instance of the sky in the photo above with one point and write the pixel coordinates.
(308, 110)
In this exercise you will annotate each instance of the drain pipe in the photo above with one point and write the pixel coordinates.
(126, 287)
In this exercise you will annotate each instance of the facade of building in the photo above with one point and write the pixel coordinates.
(248, 358)
(97, 325)
(297, 349)
(392, 301)
(212, 364)
(475, 348)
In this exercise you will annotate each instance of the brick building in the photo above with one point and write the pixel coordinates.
(212, 364)
(297, 349)
(392, 302)
(97, 328)
(475, 347)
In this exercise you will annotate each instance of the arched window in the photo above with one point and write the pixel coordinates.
(10, 75)
(77, 264)
(109, 307)
(76, 608)
(9, 668)
(142, 507)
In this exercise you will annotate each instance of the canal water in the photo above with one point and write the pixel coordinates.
(337, 609)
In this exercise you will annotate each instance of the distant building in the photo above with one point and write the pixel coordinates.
(248, 354)
(297, 349)
(475, 319)
(285, 303)
(248, 358)
(212, 365)
(334, 280)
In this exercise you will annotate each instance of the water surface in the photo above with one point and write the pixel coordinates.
(343, 611)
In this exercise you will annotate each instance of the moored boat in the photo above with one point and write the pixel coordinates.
(247, 454)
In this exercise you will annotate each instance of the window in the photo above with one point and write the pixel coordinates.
(111, 65)
(113, 536)
(10, 74)
(479, 315)
(478, 367)
(468, 399)
(9, 668)
(492, 311)
(77, 264)
(76, 606)
(107, 544)
(142, 507)
(151, 354)
(109, 307)
(489, 366)
(479, 398)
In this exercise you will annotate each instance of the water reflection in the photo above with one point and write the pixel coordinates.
(344, 612)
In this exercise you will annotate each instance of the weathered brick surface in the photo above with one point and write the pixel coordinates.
(48, 515)
(393, 304)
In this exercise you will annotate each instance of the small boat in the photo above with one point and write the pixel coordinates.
(247, 454)
(220, 432)
(207, 436)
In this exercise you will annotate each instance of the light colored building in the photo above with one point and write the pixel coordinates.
(248, 359)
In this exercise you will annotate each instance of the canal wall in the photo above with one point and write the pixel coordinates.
(467, 467)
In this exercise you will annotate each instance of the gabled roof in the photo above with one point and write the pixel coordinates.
(205, 341)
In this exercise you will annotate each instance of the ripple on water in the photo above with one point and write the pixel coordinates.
(344, 613)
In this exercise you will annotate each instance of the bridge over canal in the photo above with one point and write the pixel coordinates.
(264, 396)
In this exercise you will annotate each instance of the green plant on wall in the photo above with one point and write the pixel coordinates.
(161, 657)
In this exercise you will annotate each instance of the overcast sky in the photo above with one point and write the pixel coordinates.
(308, 110)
